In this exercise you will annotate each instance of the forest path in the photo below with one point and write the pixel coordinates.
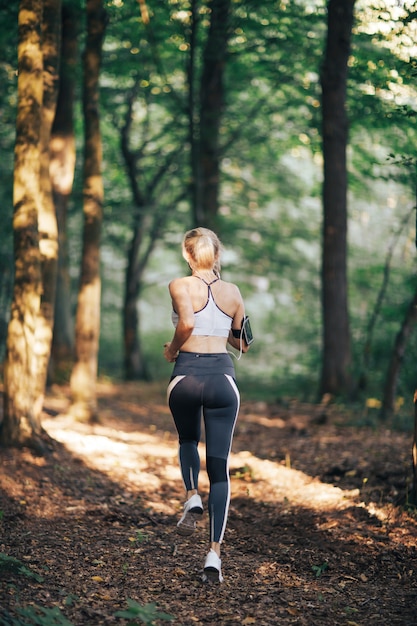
(316, 534)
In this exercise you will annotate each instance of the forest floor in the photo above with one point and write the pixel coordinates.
(318, 531)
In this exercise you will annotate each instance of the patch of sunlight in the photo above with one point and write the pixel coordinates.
(293, 485)
(127, 456)
(147, 461)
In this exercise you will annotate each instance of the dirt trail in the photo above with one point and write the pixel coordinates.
(317, 535)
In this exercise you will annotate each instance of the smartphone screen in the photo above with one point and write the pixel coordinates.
(247, 331)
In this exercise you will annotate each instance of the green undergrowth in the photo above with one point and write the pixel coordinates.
(35, 615)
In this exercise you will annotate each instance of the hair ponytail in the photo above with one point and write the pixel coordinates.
(203, 248)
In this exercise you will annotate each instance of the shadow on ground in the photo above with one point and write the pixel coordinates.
(315, 536)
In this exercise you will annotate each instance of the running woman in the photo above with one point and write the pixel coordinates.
(207, 314)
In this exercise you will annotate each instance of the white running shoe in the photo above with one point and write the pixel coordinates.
(193, 509)
(212, 568)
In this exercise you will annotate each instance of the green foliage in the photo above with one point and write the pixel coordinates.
(147, 614)
(320, 569)
(270, 218)
(42, 616)
(141, 537)
(36, 616)
(11, 564)
(271, 173)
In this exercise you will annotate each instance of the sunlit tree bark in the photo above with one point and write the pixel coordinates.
(336, 358)
(62, 165)
(87, 329)
(47, 224)
(21, 425)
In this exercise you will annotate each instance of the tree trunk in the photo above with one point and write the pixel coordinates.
(397, 356)
(87, 329)
(367, 343)
(134, 363)
(47, 225)
(413, 495)
(62, 165)
(336, 359)
(211, 111)
(148, 223)
(192, 113)
(21, 426)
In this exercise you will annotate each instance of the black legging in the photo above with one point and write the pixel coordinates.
(204, 385)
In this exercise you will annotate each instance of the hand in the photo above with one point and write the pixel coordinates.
(170, 356)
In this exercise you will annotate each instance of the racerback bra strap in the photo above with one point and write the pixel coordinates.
(205, 282)
(208, 284)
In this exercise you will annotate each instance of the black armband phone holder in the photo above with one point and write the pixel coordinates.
(245, 332)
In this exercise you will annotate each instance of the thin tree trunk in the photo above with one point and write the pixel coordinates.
(21, 426)
(134, 363)
(414, 449)
(367, 343)
(397, 356)
(47, 224)
(413, 495)
(148, 221)
(87, 330)
(62, 165)
(336, 358)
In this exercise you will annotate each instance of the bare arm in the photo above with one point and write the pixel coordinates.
(182, 304)
(237, 342)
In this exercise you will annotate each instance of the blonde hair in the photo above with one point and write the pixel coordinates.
(203, 248)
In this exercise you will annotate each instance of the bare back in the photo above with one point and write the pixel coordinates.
(190, 294)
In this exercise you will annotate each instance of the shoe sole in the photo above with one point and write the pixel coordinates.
(211, 575)
(186, 526)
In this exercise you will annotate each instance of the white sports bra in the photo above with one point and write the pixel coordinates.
(209, 321)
